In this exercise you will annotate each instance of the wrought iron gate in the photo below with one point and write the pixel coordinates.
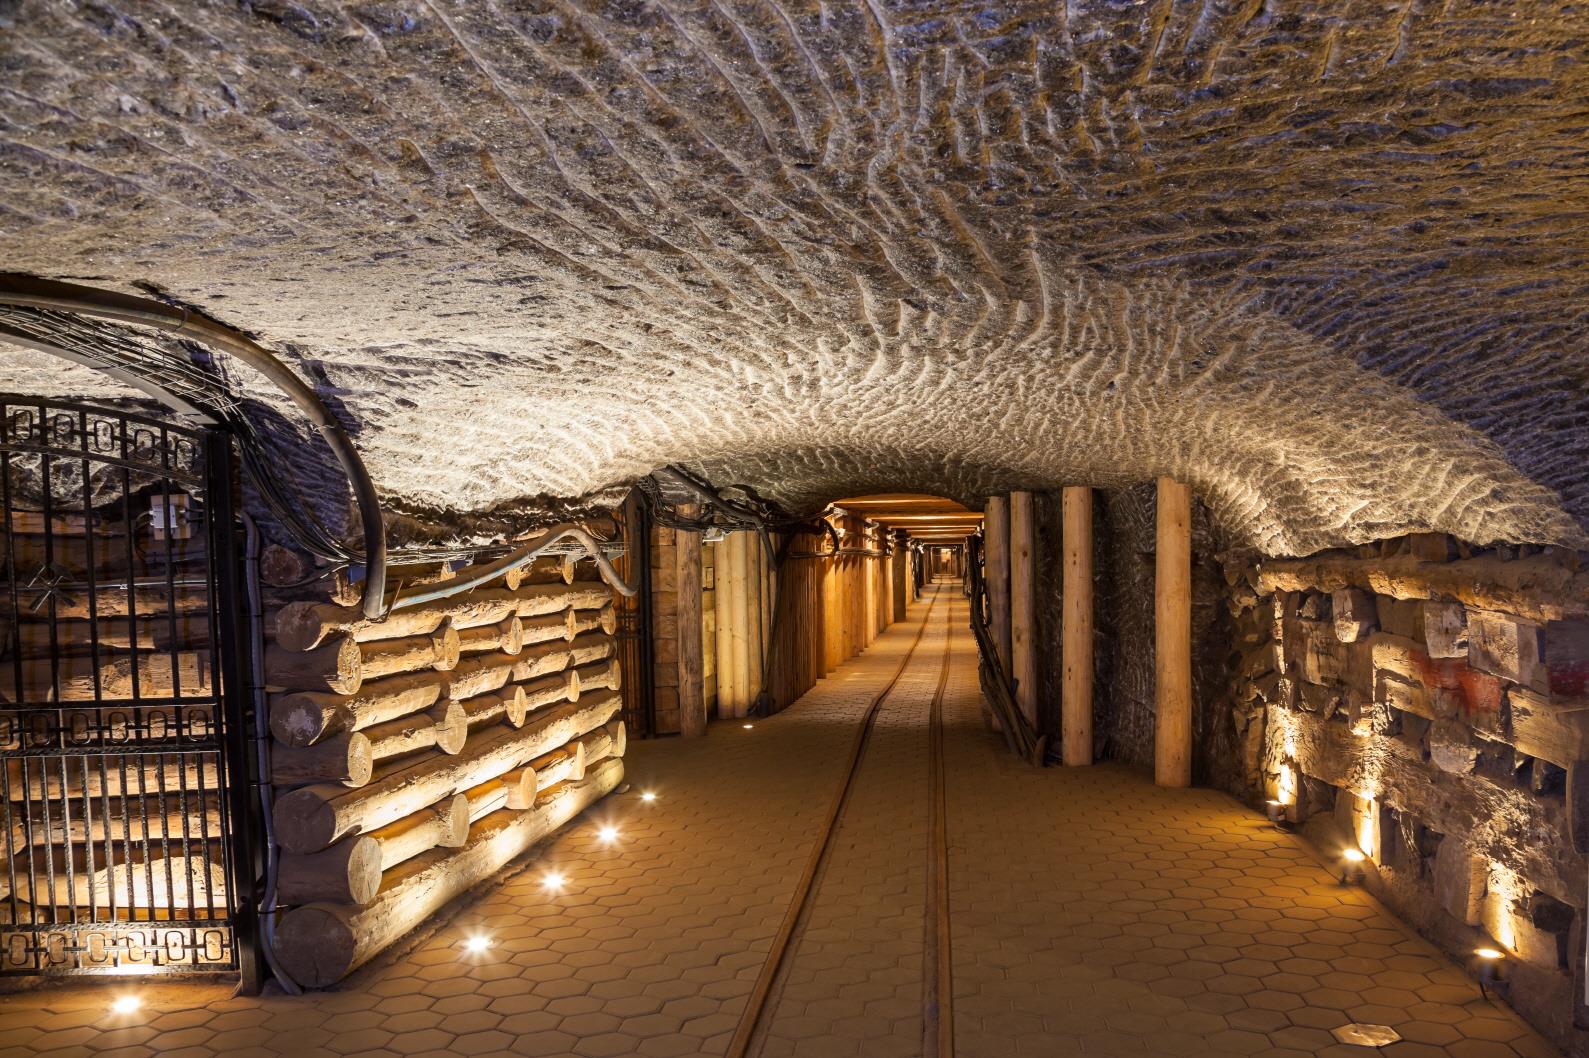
(125, 790)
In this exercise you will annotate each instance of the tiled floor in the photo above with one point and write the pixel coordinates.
(1093, 915)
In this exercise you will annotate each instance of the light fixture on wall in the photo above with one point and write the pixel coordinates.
(1490, 961)
(1352, 860)
(1275, 809)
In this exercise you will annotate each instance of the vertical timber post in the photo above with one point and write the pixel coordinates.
(754, 643)
(1076, 629)
(900, 575)
(724, 638)
(1023, 645)
(996, 538)
(687, 559)
(1172, 636)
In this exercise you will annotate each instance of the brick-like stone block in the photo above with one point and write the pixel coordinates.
(1578, 805)
(1452, 748)
(1398, 693)
(1567, 658)
(1541, 728)
(1326, 700)
(1445, 629)
(1354, 613)
(1313, 652)
(1400, 617)
(1508, 647)
(1459, 880)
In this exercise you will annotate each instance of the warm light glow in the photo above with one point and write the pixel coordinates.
(1353, 855)
(126, 1005)
(476, 944)
(607, 834)
(749, 726)
(1368, 825)
(1489, 953)
(649, 795)
(552, 882)
(1286, 791)
(1504, 885)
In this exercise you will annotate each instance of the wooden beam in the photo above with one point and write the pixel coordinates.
(1172, 637)
(1076, 629)
(1023, 611)
(724, 638)
(997, 539)
(750, 614)
(687, 559)
(900, 565)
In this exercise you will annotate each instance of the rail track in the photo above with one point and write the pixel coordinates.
(937, 992)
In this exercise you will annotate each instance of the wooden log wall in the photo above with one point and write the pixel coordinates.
(746, 583)
(414, 756)
(1429, 702)
(830, 608)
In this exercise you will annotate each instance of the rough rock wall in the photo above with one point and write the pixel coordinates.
(1427, 703)
(1123, 696)
(1319, 260)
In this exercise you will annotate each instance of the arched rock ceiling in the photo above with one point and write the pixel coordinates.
(1327, 261)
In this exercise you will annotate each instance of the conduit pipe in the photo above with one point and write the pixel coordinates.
(31, 291)
(475, 577)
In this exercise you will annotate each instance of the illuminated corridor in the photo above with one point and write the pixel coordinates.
(1091, 914)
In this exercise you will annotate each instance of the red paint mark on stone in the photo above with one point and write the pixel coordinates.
(1477, 692)
(1570, 680)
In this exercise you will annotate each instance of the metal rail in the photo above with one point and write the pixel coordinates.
(783, 944)
(937, 978)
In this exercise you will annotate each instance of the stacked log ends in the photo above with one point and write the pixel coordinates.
(444, 725)
(320, 943)
(416, 754)
(438, 649)
(347, 758)
(302, 718)
(334, 665)
(348, 872)
(562, 764)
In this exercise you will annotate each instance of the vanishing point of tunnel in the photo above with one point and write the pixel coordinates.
(757, 528)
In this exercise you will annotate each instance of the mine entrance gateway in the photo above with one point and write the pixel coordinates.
(122, 719)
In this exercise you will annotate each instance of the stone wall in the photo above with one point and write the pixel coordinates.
(1426, 702)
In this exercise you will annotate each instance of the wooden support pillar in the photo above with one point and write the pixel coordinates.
(687, 556)
(738, 629)
(724, 632)
(1076, 629)
(1172, 636)
(996, 538)
(900, 565)
(755, 633)
(1023, 611)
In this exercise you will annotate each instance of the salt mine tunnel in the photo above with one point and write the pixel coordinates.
(759, 528)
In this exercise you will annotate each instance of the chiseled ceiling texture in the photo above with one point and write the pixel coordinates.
(1326, 261)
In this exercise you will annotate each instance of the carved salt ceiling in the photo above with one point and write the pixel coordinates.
(1323, 260)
